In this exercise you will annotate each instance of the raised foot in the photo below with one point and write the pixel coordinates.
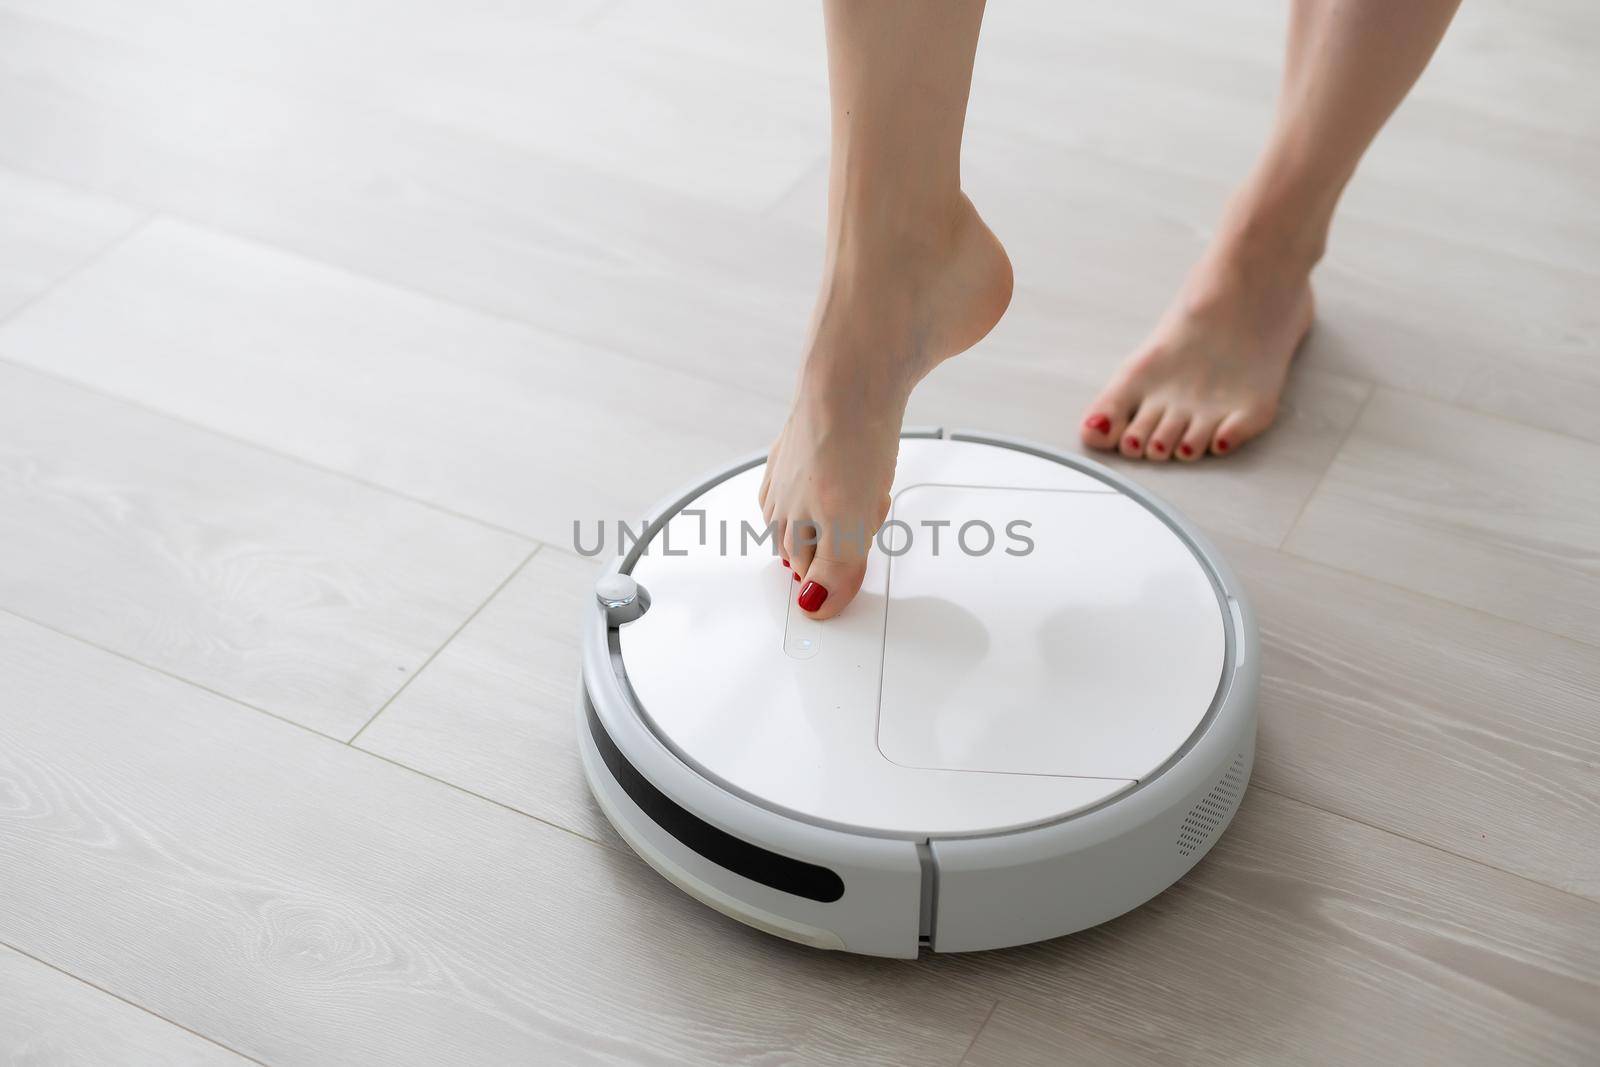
(890, 311)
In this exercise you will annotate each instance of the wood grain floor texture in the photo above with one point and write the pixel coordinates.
(320, 322)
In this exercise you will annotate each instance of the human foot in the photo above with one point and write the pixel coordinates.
(890, 310)
(1209, 376)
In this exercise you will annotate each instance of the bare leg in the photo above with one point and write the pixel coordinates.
(912, 277)
(1209, 376)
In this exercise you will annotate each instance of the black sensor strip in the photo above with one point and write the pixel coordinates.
(783, 873)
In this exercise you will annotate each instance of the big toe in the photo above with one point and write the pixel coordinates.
(829, 585)
(1105, 419)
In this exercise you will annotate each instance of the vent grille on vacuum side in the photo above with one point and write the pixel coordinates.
(1206, 818)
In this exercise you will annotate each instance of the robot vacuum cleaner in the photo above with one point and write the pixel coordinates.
(1038, 713)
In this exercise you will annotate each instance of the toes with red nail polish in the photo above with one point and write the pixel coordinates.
(1185, 450)
(811, 596)
(1157, 447)
(1132, 442)
(1098, 423)
(1222, 444)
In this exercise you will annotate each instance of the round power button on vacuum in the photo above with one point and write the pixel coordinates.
(622, 598)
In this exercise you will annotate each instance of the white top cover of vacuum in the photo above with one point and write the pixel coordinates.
(964, 691)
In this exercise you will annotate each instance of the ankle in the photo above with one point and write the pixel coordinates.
(1269, 240)
(903, 242)
(1266, 247)
(1248, 269)
(1277, 224)
(898, 299)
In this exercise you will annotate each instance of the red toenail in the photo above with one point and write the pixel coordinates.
(785, 563)
(1185, 449)
(796, 575)
(1133, 442)
(1157, 447)
(1098, 423)
(811, 596)
(1222, 444)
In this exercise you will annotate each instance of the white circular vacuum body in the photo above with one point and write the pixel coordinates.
(1038, 713)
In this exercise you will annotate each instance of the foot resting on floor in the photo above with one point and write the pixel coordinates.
(1208, 378)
